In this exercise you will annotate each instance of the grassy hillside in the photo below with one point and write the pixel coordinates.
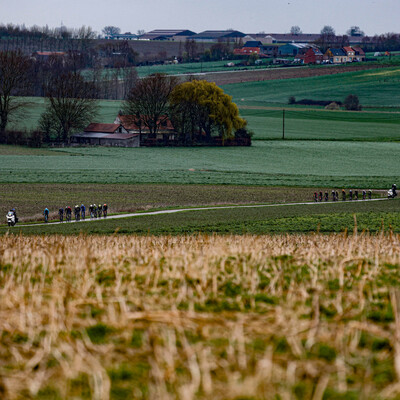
(374, 88)
(269, 163)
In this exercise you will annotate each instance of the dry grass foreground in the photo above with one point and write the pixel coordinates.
(196, 317)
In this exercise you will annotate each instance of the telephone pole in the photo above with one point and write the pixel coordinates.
(283, 125)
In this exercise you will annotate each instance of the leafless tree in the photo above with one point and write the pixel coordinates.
(295, 30)
(71, 104)
(111, 30)
(148, 101)
(14, 81)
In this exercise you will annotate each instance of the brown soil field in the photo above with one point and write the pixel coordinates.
(31, 199)
(225, 78)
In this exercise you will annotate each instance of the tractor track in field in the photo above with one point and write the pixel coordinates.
(178, 210)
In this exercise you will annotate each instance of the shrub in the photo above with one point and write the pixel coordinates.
(332, 106)
(292, 100)
(352, 103)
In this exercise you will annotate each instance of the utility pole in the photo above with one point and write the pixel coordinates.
(283, 125)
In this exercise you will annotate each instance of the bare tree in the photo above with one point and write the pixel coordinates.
(147, 102)
(14, 80)
(111, 30)
(295, 30)
(71, 104)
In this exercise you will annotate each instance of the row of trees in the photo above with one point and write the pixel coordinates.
(198, 109)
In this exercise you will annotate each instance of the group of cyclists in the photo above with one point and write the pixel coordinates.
(335, 195)
(95, 211)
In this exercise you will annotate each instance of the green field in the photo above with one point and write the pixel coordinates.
(323, 125)
(266, 163)
(330, 217)
(375, 88)
(194, 68)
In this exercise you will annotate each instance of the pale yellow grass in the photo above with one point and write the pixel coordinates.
(216, 317)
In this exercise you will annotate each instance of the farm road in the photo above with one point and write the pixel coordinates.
(177, 210)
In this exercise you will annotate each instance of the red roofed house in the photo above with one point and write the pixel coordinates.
(313, 56)
(106, 135)
(350, 53)
(132, 124)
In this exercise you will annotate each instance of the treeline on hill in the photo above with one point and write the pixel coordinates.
(96, 51)
(199, 110)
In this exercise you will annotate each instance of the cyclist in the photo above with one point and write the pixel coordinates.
(326, 196)
(320, 196)
(350, 194)
(343, 195)
(94, 210)
(77, 211)
(333, 195)
(46, 214)
(364, 194)
(315, 196)
(83, 211)
(99, 210)
(337, 195)
(369, 194)
(356, 195)
(394, 190)
(105, 207)
(68, 213)
(61, 214)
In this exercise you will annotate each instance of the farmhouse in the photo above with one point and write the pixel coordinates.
(335, 56)
(106, 135)
(256, 47)
(133, 125)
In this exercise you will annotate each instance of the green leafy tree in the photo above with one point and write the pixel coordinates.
(199, 106)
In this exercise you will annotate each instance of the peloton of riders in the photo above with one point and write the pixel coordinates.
(80, 212)
(351, 195)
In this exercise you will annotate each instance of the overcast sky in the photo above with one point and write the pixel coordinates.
(249, 16)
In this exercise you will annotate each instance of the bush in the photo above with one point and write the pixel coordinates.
(352, 103)
(36, 139)
(332, 106)
(292, 100)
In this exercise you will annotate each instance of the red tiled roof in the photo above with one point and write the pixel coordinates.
(107, 128)
(348, 48)
(130, 122)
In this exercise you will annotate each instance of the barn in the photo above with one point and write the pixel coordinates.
(114, 135)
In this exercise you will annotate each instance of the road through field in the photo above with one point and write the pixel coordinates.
(178, 210)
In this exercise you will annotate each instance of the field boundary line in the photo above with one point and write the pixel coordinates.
(177, 210)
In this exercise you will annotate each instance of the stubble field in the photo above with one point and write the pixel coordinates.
(196, 317)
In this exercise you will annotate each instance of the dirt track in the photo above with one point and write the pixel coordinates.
(225, 78)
